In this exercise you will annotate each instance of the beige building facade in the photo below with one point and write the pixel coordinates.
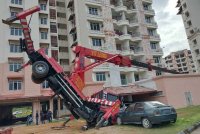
(181, 61)
(124, 27)
(189, 9)
(48, 30)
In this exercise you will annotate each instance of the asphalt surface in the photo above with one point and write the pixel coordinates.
(197, 131)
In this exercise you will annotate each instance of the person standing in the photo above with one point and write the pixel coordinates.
(49, 116)
(37, 117)
(42, 117)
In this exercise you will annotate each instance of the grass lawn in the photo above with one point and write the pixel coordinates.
(186, 117)
(24, 111)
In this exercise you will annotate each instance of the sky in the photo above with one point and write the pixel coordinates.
(170, 26)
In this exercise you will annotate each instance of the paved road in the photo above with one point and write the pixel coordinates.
(196, 131)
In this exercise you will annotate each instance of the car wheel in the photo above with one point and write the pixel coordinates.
(37, 80)
(40, 69)
(146, 123)
(119, 121)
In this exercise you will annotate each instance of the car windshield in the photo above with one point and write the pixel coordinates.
(156, 104)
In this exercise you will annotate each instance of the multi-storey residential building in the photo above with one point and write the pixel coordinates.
(127, 27)
(48, 30)
(189, 9)
(180, 61)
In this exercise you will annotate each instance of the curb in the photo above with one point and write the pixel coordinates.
(190, 129)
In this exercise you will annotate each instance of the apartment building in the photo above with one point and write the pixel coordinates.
(49, 31)
(124, 27)
(189, 9)
(181, 61)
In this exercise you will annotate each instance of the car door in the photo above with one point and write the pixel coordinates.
(137, 113)
(127, 115)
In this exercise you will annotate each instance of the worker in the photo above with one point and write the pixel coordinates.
(29, 120)
(37, 117)
(42, 117)
(49, 116)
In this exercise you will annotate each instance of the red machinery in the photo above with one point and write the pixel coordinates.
(95, 111)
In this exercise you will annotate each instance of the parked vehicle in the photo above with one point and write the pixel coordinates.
(147, 113)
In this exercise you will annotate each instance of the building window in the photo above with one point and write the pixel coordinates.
(43, 7)
(45, 84)
(153, 45)
(15, 48)
(52, 3)
(15, 85)
(189, 23)
(123, 79)
(54, 41)
(184, 5)
(62, 37)
(93, 11)
(100, 76)
(95, 26)
(14, 66)
(151, 32)
(52, 14)
(96, 42)
(13, 13)
(43, 21)
(146, 7)
(156, 59)
(62, 26)
(158, 73)
(15, 31)
(61, 15)
(187, 14)
(194, 41)
(53, 27)
(18, 2)
(43, 35)
(148, 19)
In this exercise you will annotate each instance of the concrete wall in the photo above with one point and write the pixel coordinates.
(174, 87)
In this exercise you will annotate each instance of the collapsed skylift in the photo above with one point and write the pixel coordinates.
(96, 112)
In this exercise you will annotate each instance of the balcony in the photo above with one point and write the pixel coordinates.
(95, 17)
(120, 8)
(147, 1)
(62, 43)
(155, 37)
(149, 12)
(63, 55)
(151, 24)
(97, 32)
(94, 2)
(126, 52)
(120, 22)
(139, 51)
(131, 10)
(136, 37)
(62, 31)
(19, 74)
(133, 23)
(15, 5)
(157, 51)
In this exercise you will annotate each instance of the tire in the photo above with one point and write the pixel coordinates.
(37, 80)
(146, 123)
(40, 69)
(119, 121)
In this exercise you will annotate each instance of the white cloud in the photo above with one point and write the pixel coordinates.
(170, 26)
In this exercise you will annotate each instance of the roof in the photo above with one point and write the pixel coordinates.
(129, 90)
(23, 98)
